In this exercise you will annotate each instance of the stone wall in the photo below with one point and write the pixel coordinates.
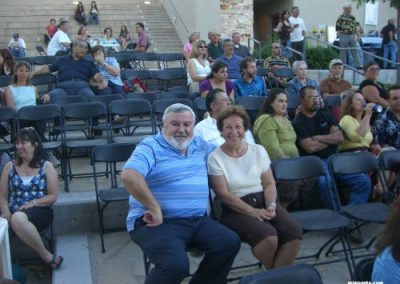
(237, 16)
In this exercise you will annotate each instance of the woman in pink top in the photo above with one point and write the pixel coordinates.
(187, 48)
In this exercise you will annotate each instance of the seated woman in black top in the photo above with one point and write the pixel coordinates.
(374, 91)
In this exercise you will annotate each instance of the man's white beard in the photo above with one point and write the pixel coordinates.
(178, 145)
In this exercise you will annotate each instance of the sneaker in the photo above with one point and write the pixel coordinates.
(53, 159)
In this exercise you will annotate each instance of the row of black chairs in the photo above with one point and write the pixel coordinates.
(130, 59)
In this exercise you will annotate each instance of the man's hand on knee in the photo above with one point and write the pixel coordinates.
(153, 218)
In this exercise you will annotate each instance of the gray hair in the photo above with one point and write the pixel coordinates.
(296, 64)
(177, 108)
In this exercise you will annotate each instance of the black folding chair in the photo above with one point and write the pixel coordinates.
(64, 100)
(124, 58)
(143, 58)
(8, 123)
(111, 154)
(5, 80)
(40, 49)
(44, 82)
(200, 107)
(42, 60)
(366, 213)
(292, 104)
(148, 96)
(145, 75)
(164, 59)
(297, 273)
(389, 161)
(314, 220)
(251, 104)
(170, 77)
(81, 117)
(137, 113)
(174, 95)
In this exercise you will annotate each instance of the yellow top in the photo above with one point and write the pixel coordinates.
(352, 139)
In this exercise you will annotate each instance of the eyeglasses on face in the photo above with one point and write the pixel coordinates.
(202, 46)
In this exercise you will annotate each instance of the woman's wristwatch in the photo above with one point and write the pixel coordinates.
(271, 205)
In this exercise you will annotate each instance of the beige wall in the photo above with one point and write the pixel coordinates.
(315, 12)
(193, 15)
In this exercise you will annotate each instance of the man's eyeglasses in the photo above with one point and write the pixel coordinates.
(82, 47)
(312, 98)
(202, 46)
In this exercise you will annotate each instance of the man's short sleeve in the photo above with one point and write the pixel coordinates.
(63, 38)
(302, 129)
(142, 159)
(54, 67)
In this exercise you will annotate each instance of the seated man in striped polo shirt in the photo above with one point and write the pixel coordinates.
(167, 179)
(274, 62)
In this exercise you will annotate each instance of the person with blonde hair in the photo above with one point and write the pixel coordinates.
(198, 66)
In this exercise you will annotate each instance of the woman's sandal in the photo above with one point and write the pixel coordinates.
(54, 264)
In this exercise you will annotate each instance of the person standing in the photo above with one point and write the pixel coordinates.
(298, 32)
(346, 28)
(389, 43)
(284, 29)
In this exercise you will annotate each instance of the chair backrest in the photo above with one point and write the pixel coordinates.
(166, 77)
(331, 101)
(44, 79)
(39, 113)
(131, 107)
(251, 103)
(300, 168)
(165, 58)
(389, 160)
(64, 100)
(159, 106)
(352, 163)
(119, 152)
(40, 49)
(107, 99)
(200, 104)
(7, 113)
(262, 72)
(146, 56)
(151, 97)
(284, 72)
(298, 273)
(84, 110)
(42, 60)
(174, 95)
(141, 74)
(5, 80)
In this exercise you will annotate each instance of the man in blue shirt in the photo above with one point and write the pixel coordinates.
(250, 84)
(74, 73)
(167, 179)
(230, 59)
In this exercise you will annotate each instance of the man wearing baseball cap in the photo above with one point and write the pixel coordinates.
(17, 46)
(334, 84)
(346, 28)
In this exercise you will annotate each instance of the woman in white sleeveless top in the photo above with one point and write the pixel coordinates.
(198, 66)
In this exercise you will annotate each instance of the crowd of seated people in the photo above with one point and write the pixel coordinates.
(225, 139)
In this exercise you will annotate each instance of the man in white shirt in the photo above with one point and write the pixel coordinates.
(297, 35)
(60, 41)
(217, 100)
(17, 46)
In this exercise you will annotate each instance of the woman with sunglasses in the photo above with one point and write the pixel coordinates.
(28, 189)
(198, 67)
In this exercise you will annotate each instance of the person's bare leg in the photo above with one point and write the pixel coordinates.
(265, 250)
(28, 233)
(286, 254)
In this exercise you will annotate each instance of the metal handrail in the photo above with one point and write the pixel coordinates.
(256, 42)
(352, 48)
(177, 14)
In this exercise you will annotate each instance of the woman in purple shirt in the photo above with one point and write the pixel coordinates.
(218, 79)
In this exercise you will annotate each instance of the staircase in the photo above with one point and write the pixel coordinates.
(30, 17)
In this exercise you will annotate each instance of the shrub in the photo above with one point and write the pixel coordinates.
(319, 57)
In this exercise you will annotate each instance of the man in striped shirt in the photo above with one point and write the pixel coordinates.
(167, 179)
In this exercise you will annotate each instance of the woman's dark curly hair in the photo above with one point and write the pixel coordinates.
(29, 134)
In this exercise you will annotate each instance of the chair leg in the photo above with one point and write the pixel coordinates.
(333, 238)
(101, 211)
(347, 252)
(146, 265)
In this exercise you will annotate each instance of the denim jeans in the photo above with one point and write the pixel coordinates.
(165, 246)
(18, 52)
(111, 89)
(360, 186)
(93, 18)
(71, 88)
(390, 52)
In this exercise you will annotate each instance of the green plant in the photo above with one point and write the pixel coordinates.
(319, 57)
